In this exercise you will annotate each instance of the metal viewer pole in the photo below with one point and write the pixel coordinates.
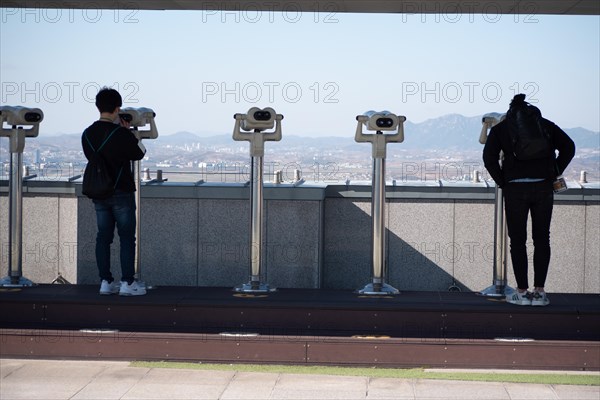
(499, 287)
(16, 135)
(15, 222)
(138, 214)
(379, 142)
(139, 117)
(257, 121)
(256, 219)
(378, 223)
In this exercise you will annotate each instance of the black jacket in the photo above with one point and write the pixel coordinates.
(118, 152)
(499, 139)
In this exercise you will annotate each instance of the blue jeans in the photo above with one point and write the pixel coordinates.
(118, 210)
(520, 200)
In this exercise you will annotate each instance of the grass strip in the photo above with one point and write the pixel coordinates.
(412, 373)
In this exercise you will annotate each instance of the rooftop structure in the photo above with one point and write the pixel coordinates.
(571, 7)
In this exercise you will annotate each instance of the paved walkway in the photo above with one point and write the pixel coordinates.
(49, 380)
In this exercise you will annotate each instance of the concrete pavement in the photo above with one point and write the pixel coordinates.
(79, 380)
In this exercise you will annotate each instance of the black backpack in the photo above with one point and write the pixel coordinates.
(530, 139)
(98, 183)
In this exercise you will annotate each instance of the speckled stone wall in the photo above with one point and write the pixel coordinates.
(192, 239)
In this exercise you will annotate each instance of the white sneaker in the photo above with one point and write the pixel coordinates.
(132, 290)
(540, 299)
(521, 299)
(109, 288)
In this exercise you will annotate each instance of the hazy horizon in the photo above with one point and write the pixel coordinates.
(351, 134)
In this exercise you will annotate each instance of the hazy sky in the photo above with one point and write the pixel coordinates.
(196, 69)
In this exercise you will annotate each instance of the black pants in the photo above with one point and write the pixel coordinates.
(519, 200)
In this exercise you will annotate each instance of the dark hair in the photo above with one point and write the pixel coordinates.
(518, 104)
(108, 99)
(518, 101)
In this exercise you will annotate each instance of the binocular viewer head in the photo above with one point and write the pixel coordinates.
(488, 121)
(254, 124)
(140, 117)
(21, 116)
(137, 117)
(493, 118)
(380, 120)
(262, 115)
(257, 119)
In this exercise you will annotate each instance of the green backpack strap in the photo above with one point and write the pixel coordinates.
(100, 148)
(108, 137)
(103, 143)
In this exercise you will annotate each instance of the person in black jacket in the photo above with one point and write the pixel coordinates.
(120, 149)
(527, 188)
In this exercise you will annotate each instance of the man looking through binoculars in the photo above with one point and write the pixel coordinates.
(110, 138)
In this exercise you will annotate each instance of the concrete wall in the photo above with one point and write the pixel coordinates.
(50, 244)
(314, 237)
(437, 244)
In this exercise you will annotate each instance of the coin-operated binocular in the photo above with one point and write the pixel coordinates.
(17, 118)
(255, 123)
(379, 122)
(488, 121)
(18, 115)
(257, 119)
(139, 118)
(499, 287)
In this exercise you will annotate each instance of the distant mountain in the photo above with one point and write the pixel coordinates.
(188, 138)
(453, 132)
(180, 138)
(584, 138)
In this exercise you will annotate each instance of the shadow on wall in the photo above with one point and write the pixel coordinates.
(423, 263)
